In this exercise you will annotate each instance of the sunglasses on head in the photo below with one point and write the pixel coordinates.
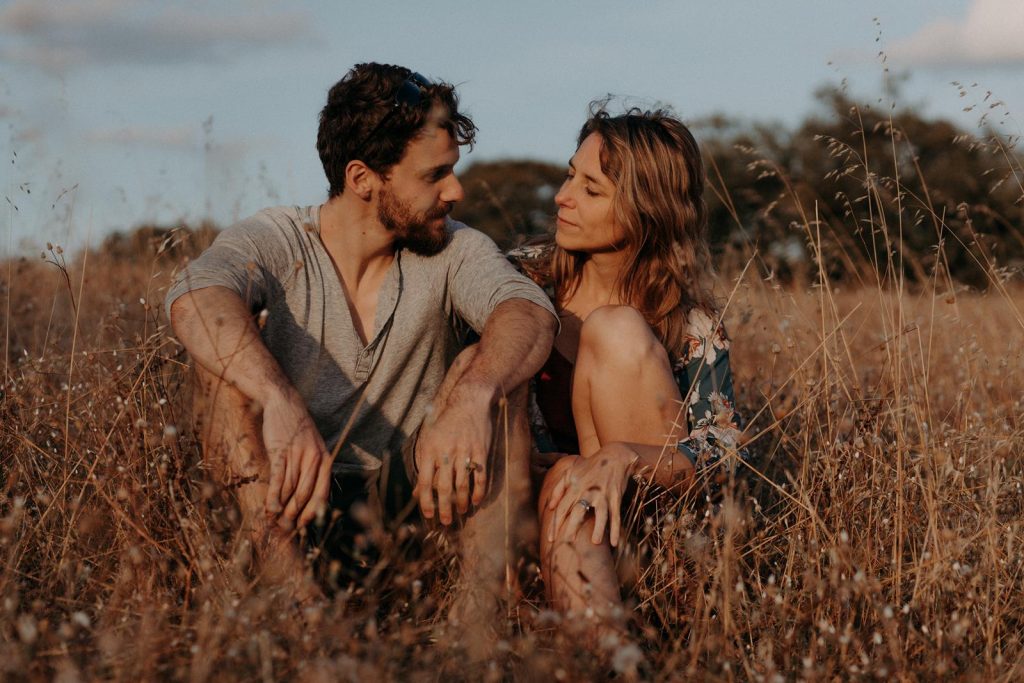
(409, 94)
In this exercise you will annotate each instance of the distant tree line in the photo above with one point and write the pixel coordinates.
(878, 193)
(869, 193)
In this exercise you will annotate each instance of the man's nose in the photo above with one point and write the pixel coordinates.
(453, 191)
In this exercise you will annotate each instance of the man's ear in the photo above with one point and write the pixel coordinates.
(361, 179)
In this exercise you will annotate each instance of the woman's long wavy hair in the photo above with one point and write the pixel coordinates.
(655, 164)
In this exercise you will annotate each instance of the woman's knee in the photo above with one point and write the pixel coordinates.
(619, 332)
(554, 474)
(583, 534)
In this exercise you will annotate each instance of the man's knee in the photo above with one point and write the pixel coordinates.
(619, 332)
(515, 398)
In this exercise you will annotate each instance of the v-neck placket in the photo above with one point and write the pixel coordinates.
(387, 304)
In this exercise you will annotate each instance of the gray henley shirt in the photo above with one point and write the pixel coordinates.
(277, 263)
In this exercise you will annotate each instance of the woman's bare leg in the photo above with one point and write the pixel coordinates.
(623, 387)
(579, 575)
(623, 390)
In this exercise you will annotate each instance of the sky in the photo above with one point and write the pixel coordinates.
(118, 112)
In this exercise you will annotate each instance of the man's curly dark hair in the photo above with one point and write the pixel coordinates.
(361, 120)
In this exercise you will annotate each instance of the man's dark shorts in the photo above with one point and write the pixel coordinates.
(366, 511)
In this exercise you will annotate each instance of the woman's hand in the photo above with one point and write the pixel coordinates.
(592, 484)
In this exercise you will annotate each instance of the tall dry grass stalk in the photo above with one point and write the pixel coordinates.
(878, 536)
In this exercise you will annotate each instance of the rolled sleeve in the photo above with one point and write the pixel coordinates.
(480, 278)
(243, 258)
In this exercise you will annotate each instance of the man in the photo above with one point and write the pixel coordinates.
(323, 336)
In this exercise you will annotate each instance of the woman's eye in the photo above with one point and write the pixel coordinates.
(590, 192)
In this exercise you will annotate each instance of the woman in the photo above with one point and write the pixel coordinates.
(640, 340)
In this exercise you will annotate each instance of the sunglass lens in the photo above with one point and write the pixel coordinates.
(420, 80)
(409, 94)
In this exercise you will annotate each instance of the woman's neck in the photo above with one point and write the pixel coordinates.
(601, 276)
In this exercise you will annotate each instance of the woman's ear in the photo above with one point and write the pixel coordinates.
(361, 179)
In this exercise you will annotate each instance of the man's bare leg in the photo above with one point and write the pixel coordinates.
(492, 534)
(230, 432)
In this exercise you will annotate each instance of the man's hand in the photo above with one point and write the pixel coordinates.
(452, 451)
(300, 466)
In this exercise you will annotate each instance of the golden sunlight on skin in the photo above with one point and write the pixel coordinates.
(425, 179)
(585, 219)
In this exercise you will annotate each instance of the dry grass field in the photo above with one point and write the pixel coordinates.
(881, 535)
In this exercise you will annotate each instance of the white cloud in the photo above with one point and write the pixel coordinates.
(57, 35)
(27, 135)
(992, 34)
(184, 138)
(176, 137)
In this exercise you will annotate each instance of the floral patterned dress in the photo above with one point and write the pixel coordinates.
(714, 443)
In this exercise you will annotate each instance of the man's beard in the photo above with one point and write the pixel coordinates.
(419, 233)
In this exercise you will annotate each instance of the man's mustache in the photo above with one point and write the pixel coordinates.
(442, 210)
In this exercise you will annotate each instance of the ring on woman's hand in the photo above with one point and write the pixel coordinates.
(471, 466)
(586, 504)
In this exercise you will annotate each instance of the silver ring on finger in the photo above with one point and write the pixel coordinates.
(471, 466)
(585, 504)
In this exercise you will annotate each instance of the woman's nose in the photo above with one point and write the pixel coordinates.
(562, 196)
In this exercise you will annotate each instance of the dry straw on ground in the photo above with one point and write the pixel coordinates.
(879, 537)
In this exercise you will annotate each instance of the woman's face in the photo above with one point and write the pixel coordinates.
(585, 220)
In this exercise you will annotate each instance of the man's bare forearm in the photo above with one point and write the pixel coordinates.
(452, 449)
(516, 341)
(217, 329)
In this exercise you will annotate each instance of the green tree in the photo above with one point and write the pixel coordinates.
(889, 192)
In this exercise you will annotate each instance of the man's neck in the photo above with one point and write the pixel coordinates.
(361, 248)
